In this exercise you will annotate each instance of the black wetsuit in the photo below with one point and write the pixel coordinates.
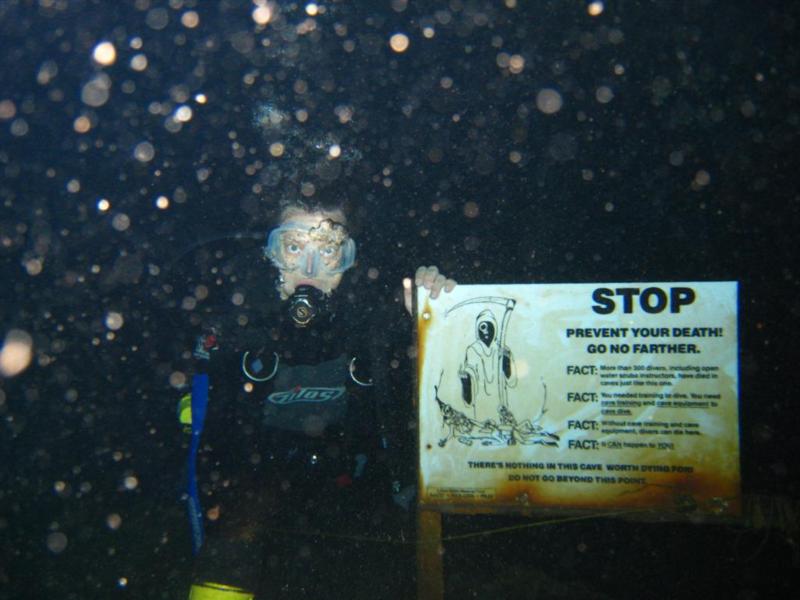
(290, 465)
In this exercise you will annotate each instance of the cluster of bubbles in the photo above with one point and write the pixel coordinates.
(299, 152)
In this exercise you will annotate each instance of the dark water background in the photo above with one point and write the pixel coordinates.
(689, 172)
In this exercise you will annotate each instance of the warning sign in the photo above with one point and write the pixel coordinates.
(580, 396)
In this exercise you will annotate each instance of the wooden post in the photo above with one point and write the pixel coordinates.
(430, 573)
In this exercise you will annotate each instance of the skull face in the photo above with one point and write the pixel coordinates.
(486, 332)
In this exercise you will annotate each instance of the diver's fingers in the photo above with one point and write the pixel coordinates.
(419, 276)
(407, 293)
(430, 275)
(431, 279)
(437, 285)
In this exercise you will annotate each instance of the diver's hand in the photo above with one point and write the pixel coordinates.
(430, 279)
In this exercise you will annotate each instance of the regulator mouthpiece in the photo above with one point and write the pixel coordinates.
(305, 305)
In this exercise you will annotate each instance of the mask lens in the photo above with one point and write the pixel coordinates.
(330, 257)
(325, 249)
(292, 249)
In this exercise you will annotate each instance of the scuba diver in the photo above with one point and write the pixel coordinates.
(287, 416)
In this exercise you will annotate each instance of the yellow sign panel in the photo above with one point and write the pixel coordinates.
(580, 396)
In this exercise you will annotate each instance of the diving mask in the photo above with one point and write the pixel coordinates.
(326, 249)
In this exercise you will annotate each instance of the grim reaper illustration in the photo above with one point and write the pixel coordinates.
(487, 372)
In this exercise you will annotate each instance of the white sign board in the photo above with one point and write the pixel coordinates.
(580, 396)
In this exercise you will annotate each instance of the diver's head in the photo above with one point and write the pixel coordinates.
(310, 246)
